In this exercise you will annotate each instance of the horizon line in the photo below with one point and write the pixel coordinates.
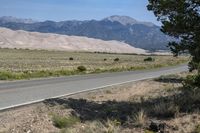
(39, 20)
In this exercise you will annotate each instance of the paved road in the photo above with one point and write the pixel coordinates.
(13, 94)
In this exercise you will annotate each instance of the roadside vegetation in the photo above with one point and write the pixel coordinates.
(64, 122)
(16, 64)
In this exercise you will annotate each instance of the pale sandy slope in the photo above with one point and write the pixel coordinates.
(35, 40)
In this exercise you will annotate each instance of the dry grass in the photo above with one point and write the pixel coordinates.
(94, 127)
(63, 121)
(54, 63)
(140, 118)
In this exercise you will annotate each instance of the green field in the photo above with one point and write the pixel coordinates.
(25, 64)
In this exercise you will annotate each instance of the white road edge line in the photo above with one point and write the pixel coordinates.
(78, 92)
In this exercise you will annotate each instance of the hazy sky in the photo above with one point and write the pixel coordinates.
(58, 10)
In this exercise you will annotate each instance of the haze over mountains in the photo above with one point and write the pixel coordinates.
(8, 19)
(143, 35)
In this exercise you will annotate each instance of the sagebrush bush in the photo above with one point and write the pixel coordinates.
(71, 58)
(81, 68)
(116, 59)
(149, 59)
(63, 122)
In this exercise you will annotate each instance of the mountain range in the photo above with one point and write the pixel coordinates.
(125, 29)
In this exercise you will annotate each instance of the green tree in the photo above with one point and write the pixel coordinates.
(180, 19)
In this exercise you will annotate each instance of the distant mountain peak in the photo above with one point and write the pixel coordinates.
(126, 20)
(7, 19)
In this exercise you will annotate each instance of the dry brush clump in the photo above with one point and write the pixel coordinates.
(116, 59)
(81, 68)
(140, 118)
(150, 59)
(64, 122)
(71, 58)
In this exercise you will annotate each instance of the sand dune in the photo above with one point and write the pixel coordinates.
(48, 41)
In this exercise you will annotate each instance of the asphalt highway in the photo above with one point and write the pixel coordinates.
(18, 93)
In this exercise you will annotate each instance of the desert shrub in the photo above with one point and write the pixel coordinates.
(112, 126)
(149, 59)
(71, 58)
(105, 59)
(81, 68)
(63, 122)
(116, 59)
(140, 118)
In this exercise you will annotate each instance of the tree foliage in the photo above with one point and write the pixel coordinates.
(180, 19)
